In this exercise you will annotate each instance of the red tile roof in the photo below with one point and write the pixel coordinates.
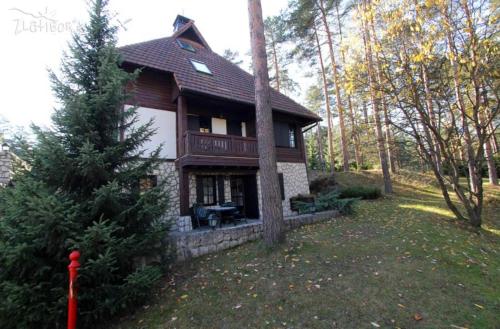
(227, 80)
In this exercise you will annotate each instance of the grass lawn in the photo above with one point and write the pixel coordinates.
(397, 262)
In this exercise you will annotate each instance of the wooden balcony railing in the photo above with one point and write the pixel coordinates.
(198, 143)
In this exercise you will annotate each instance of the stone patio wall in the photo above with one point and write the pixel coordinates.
(200, 242)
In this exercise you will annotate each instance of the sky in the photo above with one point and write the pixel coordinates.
(32, 45)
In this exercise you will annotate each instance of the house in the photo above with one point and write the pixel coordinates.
(9, 164)
(204, 112)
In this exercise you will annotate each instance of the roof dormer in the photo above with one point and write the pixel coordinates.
(180, 21)
(184, 28)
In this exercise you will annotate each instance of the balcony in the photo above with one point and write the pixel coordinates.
(198, 143)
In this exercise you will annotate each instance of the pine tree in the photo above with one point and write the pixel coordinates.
(276, 34)
(272, 211)
(82, 192)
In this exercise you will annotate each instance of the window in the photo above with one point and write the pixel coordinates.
(206, 190)
(201, 67)
(291, 136)
(186, 46)
(284, 134)
(205, 124)
(147, 183)
(237, 195)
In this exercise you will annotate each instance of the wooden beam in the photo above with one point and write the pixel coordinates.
(183, 191)
(182, 124)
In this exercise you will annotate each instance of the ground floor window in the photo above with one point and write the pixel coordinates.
(237, 191)
(206, 190)
(148, 182)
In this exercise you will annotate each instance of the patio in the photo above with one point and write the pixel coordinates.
(196, 242)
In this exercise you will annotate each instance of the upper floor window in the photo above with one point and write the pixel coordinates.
(291, 136)
(186, 46)
(201, 67)
(285, 135)
(205, 125)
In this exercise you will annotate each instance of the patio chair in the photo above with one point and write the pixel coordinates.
(203, 214)
(237, 214)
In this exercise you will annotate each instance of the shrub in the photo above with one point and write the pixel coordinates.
(327, 201)
(362, 192)
(332, 201)
(323, 184)
(298, 202)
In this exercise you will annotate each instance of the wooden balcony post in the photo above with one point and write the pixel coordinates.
(182, 124)
(183, 191)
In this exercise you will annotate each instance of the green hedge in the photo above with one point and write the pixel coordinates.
(363, 192)
(323, 202)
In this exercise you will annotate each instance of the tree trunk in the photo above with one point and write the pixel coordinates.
(432, 117)
(343, 139)
(388, 135)
(272, 211)
(436, 152)
(365, 113)
(327, 103)
(354, 131)
(469, 151)
(494, 142)
(375, 106)
(492, 171)
(320, 148)
(488, 152)
(276, 65)
(493, 139)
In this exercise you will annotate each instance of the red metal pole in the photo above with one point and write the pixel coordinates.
(73, 268)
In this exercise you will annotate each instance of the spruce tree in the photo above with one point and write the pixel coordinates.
(82, 192)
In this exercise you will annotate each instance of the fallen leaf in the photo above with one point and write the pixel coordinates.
(417, 317)
(375, 324)
(479, 306)
(184, 296)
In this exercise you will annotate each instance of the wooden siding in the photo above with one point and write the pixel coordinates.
(153, 89)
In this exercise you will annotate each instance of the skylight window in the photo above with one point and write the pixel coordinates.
(185, 45)
(201, 67)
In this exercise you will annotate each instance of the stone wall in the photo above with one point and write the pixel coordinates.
(200, 242)
(5, 167)
(295, 182)
(167, 171)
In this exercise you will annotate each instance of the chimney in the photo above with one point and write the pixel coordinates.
(180, 21)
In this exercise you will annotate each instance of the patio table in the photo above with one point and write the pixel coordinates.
(220, 211)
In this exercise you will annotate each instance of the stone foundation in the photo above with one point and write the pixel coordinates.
(200, 242)
(5, 167)
(167, 171)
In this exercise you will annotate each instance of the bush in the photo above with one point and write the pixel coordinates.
(362, 192)
(324, 202)
(323, 184)
(332, 201)
(464, 170)
(297, 203)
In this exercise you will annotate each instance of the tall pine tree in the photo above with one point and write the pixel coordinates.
(82, 192)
